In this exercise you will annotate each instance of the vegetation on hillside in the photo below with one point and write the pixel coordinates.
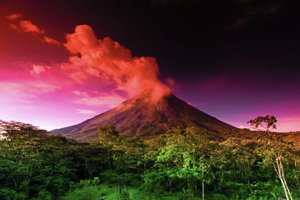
(186, 163)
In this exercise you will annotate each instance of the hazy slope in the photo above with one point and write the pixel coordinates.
(142, 116)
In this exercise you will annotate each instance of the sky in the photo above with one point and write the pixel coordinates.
(62, 62)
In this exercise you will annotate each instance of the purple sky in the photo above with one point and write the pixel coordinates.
(62, 62)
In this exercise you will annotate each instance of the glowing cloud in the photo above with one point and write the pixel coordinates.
(37, 69)
(51, 41)
(28, 27)
(87, 112)
(111, 62)
(14, 16)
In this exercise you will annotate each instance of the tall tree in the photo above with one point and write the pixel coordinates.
(267, 122)
(276, 151)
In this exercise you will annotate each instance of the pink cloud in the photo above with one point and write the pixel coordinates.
(37, 69)
(88, 112)
(78, 93)
(111, 62)
(108, 100)
(78, 76)
(23, 91)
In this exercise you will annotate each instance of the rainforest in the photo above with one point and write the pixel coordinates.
(181, 164)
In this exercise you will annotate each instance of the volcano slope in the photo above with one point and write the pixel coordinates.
(141, 116)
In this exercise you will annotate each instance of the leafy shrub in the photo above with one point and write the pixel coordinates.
(85, 190)
(84, 183)
(128, 178)
(110, 176)
(152, 180)
(185, 194)
(125, 195)
(84, 193)
(9, 194)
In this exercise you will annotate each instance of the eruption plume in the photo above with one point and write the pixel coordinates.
(113, 63)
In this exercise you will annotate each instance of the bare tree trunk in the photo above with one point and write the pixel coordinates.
(249, 183)
(283, 178)
(170, 184)
(221, 180)
(280, 172)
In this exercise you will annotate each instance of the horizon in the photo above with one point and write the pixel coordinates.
(61, 64)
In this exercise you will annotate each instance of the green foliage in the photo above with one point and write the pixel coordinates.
(185, 194)
(84, 193)
(152, 180)
(31, 166)
(85, 190)
(124, 195)
(186, 162)
(11, 194)
(85, 183)
(110, 176)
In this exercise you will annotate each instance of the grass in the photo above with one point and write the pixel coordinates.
(111, 193)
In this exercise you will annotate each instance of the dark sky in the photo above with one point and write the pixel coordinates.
(234, 59)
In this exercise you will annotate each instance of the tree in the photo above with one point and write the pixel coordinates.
(275, 149)
(32, 163)
(186, 156)
(265, 122)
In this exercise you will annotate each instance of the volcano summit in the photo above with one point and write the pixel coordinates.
(142, 116)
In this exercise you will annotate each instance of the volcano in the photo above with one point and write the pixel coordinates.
(141, 116)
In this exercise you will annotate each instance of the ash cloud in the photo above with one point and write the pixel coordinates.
(112, 63)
